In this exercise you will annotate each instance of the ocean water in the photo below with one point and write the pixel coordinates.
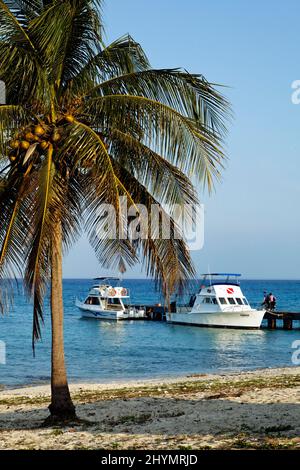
(98, 351)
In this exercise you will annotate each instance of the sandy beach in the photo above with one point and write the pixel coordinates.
(256, 410)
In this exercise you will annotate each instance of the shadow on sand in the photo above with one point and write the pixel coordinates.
(169, 417)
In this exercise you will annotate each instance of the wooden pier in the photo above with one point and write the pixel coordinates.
(286, 319)
(154, 312)
(283, 320)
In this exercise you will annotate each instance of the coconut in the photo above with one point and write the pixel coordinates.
(39, 130)
(44, 145)
(56, 136)
(25, 145)
(29, 136)
(14, 144)
(12, 157)
(69, 118)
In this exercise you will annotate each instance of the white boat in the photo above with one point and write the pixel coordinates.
(219, 303)
(107, 302)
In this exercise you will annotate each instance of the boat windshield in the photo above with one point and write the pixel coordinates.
(220, 278)
(107, 281)
(113, 301)
(92, 301)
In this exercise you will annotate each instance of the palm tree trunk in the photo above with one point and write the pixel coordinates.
(61, 407)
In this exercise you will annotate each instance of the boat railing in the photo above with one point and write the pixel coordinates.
(135, 306)
(105, 291)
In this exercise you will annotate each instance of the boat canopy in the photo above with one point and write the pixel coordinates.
(222, 274)
(106, 278)
(227, 276)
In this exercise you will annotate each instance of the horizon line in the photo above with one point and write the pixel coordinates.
(195, 279)
(152, 279)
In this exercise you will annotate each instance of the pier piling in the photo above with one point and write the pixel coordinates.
(272, 323)
(287, 324)
(287, 320)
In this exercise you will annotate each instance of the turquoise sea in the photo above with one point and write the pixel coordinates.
(98, 351)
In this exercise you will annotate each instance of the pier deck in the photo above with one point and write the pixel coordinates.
(286, 319)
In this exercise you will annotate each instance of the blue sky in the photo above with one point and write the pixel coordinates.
(252, 222)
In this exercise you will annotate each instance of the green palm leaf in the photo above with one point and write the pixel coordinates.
(37, 269)
(190, 95)
(191, 146)
(124, 55)
(165, 181)
(11, 118)
(15, 233)
(167, 260)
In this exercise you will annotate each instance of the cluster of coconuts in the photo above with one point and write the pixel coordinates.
(38, 134)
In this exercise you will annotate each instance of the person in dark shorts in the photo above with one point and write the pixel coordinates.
(272, 301)
(265, 302)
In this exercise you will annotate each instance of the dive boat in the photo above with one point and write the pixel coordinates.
(219, 303)
(107, 302)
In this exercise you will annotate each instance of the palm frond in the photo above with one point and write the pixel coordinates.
(86, 146)
(124, 55)
(24, 10)
(91, 162)
(48, 31)
(12, 117)
(106, 229)
(99, 184)
(190, 95)
(167, 260)
(69, 196)
(189, 145)
(11, 28)
(163, 180)
(15, 229)
(79, 43)
(65, 33)
(20, 65)
(38, 256)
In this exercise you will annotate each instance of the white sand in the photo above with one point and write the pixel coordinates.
(225, 413)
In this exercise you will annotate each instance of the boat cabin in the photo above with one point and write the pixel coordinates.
(106, 295)
(220, 291)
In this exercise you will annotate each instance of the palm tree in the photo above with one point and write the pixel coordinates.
(84, 124)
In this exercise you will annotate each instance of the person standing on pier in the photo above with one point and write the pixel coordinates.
(265, 302)
(269, 301)
(272, 301)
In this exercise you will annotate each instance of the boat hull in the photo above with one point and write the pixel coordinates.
(100, 315)
(242, 319)
(93, 311)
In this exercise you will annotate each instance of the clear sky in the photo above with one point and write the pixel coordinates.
(252, 222)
